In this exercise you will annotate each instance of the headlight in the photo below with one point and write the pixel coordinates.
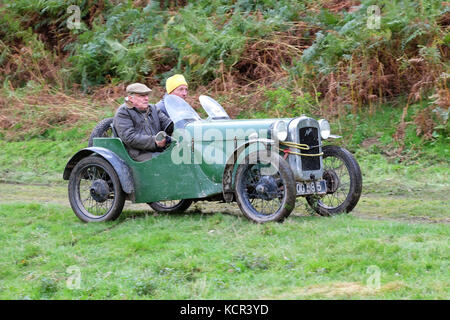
(325, 130)
(279, 130)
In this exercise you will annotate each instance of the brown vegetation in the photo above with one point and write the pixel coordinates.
(263, 59)
(40, 110)
(341, 5)
(26, 65)
(365, 79)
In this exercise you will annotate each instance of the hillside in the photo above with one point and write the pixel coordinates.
(257, 57)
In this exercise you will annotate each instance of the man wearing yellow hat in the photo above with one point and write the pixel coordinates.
(137, 123)
(177, 86)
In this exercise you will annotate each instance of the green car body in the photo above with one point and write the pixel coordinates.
(161, 179)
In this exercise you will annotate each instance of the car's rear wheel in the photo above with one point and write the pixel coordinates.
(95, 193)
(344, 183)
(171, 205)
(265, 188)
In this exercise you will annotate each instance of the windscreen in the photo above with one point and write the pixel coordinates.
(214, 110)
(180, 111)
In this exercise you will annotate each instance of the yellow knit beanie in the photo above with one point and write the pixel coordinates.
(174, 82)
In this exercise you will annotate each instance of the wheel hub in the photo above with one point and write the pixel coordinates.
(267, 188)
(332, 180)
(99, 190)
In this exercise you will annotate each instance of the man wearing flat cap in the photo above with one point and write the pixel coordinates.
(137, 122)
(175, 85)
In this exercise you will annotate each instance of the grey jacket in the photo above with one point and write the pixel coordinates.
(161, 106)
(138, 129)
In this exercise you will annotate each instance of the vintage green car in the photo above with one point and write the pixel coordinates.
(262, 164)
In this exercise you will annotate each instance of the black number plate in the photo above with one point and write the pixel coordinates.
(312, 187)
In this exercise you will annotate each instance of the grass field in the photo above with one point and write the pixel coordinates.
(394, 245)
(218, 256)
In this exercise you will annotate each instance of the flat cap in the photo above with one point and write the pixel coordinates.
(138, 88)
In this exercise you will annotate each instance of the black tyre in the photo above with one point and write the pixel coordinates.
(95, 193)
(344, 183)
(265, 188)
(102, 130)
(171, 205)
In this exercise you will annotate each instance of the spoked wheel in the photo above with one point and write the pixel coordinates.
(171, 205)
(102, 130)
(95, 193)
(265, 188)
(344, 183)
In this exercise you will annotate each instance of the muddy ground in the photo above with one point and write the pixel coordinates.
(407, 207)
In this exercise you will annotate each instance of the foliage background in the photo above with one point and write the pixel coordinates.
(311, 56)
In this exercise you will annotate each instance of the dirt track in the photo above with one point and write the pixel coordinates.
(386, 207)
(57, 194)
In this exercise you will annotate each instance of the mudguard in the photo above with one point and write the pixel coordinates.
(227, 177)
(121, 168)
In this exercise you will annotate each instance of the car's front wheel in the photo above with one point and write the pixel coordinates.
(344, 183)
(95, 193)
(265, 187)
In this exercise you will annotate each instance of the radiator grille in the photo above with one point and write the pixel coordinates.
(309, 136)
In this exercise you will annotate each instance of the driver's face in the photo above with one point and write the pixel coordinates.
(140, 101)
(181, 91)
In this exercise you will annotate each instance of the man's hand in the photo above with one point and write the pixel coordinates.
(161, 143)
(160, 139)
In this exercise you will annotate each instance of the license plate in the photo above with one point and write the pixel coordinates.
(304, 188)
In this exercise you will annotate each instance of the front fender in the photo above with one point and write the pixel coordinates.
(121, 168)
(227, 177)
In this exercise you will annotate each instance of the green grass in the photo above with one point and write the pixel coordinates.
(36, 161)
(217, 256)
(411, 208)
(41, 159)
(375, 133)
(383, 176)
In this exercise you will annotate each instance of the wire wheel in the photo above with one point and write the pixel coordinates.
(265, 188)
(171, 205)
(95, 192)
(344, 183)
(266, 203)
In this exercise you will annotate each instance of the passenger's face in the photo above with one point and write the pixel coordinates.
(140, 101)
(181, 91)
